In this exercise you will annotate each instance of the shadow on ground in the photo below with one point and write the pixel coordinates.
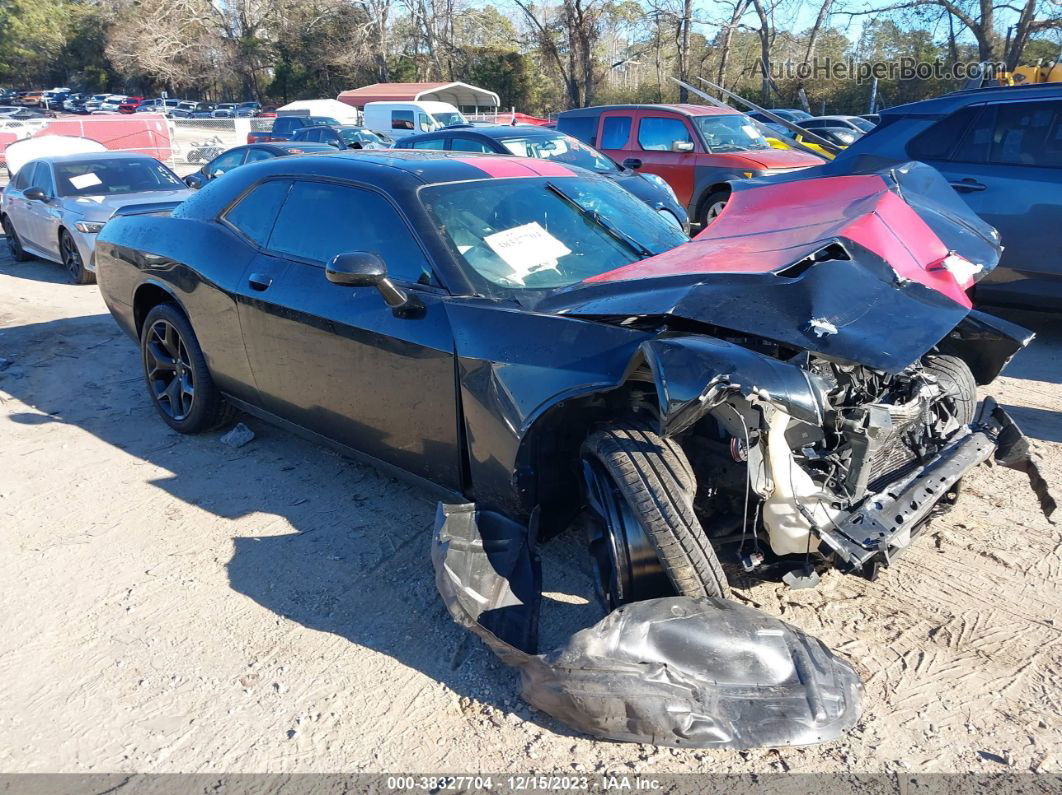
(324, 541)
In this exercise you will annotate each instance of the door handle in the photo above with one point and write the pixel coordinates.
(259, 281)
(967, 185)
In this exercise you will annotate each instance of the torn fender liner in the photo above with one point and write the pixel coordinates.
(672, 671)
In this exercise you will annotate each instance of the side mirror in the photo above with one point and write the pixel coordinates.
(35, 195)
(364, 269)
(682, 146)
(632, 163)
(194, 181)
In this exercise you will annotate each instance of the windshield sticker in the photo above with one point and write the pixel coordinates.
(750, 131)
(82, 181)
(527, 249)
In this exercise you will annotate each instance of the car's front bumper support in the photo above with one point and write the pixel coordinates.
(672, 671)
(883, 527)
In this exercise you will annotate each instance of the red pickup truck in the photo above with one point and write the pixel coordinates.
(285, 126)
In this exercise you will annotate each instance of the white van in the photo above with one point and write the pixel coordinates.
(399, 119)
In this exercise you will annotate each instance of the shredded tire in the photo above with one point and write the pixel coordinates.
(658, 483)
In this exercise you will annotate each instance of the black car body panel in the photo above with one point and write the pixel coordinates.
(488, 390)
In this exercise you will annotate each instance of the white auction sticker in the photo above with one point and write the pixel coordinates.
(527, 249)
(82, 181)
(750, 131)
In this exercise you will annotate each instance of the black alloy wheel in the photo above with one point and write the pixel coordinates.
(72, 261)
(169, 371)
(13, 243)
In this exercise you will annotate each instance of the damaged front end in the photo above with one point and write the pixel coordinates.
(670, 671)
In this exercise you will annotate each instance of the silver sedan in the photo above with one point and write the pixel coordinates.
(55, 206)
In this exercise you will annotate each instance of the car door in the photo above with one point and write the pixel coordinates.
(655, 138)
(1007, 166)
(614, 135)
(45, 216)
(337, 360)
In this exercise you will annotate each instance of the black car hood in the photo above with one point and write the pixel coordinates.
(853, 271)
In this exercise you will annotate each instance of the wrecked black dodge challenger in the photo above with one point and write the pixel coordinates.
(793, 388)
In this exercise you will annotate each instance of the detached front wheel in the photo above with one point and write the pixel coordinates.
(646, 539)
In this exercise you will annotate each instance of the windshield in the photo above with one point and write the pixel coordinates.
(862, 124)
(444, 119)
(731, 133)
(111, 177)
(322, 121)
(359, 136)
(543, 233)
(561, 148)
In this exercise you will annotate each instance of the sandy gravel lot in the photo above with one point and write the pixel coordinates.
(172, 604)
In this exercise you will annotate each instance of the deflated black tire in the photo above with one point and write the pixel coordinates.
(640, 488)
(176, 373)
(957, 381)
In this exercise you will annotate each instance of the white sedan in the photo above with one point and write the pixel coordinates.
(55, 206)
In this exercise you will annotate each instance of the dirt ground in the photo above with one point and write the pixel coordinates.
(173, 604)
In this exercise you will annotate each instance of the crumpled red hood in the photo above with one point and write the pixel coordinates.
(770, 227)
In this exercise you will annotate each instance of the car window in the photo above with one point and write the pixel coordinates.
(468, 145)
(561, 148)
(656, 133)
(935, 142)
(582, 127)
(225, 163)
(1027, 134)
(730, 133)
(320, 220)
(254, 155)
(255, 213)
(615, 130)
(431, 143)
(42, 178)
(401, 120)
(113, 176)
(24, 177)
(814, 124)
(425, 121)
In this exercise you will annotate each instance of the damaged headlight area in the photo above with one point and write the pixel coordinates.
(671, 671)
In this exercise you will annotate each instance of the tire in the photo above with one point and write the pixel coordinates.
(168, 345)
(13, 243)
(713, 205)
(72, 261)
(652, 479)
(954, 375)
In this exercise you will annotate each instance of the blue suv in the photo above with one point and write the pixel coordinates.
(1001, 149)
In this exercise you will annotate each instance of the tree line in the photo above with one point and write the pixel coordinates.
(537, 56)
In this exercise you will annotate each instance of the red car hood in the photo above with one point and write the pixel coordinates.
(765, 229)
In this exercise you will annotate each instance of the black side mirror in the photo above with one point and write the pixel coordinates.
(195, 181)
(632, 163)
(364, 269)
(35, 195)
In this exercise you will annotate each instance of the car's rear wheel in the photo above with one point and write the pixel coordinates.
(13, 243)
(178, 381)
(72, 261)
(645, 537)
(713, 206)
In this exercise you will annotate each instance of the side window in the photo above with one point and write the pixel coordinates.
(284, 126)
(431, 143)
(425, 122)
(256, 212)
(42, 179)
(226, 162)
(320, 220)
(468, 145)
(582, 127)
(656, 133)
(402, 120)
(615, 130)
(24, 178)
(1028, 134)
(935, 142)
(254, 155)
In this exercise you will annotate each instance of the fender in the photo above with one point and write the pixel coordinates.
(694, 374)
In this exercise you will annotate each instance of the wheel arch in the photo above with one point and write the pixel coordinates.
(149, 295)
(702, 201)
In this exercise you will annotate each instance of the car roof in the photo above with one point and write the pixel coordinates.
(974, 96)
(494, 132)
(682, 109)
(834, 117)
